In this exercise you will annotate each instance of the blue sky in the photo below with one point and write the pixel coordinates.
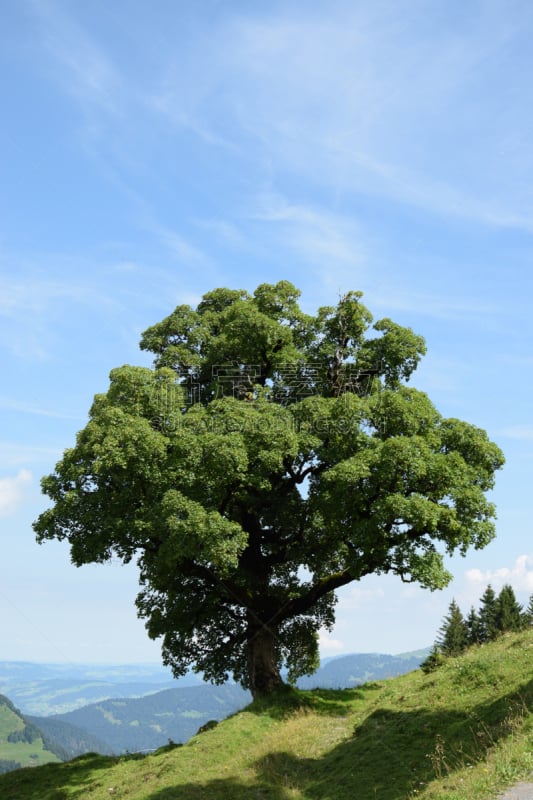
(152, 152)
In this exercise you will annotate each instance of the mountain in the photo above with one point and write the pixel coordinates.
(43, 689)
(146, 723)
(343, 672)
(460, 731)
(22, 744)
(46, 689)
(68, 739)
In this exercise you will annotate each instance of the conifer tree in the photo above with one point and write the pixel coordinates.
(528, 613)
(488, 614)
(453, 638)
(473, 625)
(508, 611)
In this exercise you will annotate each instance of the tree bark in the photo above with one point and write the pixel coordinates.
(263, 673)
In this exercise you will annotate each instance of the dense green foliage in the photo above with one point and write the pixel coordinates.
(463, 732)
(269, 458)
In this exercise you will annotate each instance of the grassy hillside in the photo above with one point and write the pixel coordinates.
(21, 744)
(461, 733)
(70, 740)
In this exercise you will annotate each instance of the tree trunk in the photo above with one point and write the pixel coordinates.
(263, 673)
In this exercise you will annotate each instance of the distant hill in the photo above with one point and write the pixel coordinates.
(147, 723)
(68, 739)
(44, 689)
(22, 744)
(344, 672)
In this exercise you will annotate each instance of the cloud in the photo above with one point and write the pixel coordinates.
(388, 99)
(520, 576)
(521, 432)
(328, 644)
(224, 232)
(392, 100)
(83, 68)
(328, 242)
(14, 454)
(347, 100)
(12, 492)
(358, 597)
(11, 404)
(30, 305)
(437, 305)
(180, 248)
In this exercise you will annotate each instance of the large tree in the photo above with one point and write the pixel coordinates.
(268, 458)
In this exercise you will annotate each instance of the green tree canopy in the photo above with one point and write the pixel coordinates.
(268, 458)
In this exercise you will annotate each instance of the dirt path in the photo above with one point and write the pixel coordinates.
(522, 791)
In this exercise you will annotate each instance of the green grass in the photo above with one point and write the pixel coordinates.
(28, 754)
(463, 732)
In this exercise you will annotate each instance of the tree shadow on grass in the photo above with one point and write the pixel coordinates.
(220, 789)
(390, 756)
(331, 702)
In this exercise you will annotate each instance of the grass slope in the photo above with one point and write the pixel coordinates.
(461, 733)
(20, 744)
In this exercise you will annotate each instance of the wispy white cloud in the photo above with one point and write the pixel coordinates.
(181, 249)
(346, 99)
(225, 232)
(329, 644)
(521, 432)
(440, 305)
(171, 105)
(519, 575)
(328, 242)
(12, 404)
(83, 68)
(378, 99)
(390, 99)
(358, 597)
(15, 454)
(30, 304)
(12, 492)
